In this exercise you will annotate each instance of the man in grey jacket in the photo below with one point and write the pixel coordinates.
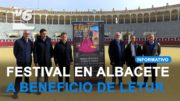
(151, 48)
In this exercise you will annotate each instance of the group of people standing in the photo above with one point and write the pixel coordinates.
(120, 55)
(43, 52)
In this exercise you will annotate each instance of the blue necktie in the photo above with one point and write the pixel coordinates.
(119, 48)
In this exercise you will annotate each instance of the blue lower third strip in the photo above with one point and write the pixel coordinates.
(86, 87)
(153, 59)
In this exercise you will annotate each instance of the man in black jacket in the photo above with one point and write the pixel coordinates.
(63, 55)
(151, 48)
(43, 52)
(116, 54)
(23, 48)
(132, 50)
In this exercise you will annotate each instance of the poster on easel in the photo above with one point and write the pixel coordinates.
(88, 38)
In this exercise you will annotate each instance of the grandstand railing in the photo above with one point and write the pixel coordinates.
(162, 41)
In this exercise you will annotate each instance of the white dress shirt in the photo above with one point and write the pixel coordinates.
(133, 51)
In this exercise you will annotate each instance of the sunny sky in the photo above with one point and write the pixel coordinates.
(72, 5)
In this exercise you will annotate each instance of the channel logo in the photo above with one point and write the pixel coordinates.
(25, 16)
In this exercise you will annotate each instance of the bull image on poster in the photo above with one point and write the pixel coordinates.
(88, 40)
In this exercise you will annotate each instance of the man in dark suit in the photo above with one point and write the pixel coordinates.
(43, 52)
(116, 54)
(132, 50)
(151, 48)
(22, 49)
(63, 55)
